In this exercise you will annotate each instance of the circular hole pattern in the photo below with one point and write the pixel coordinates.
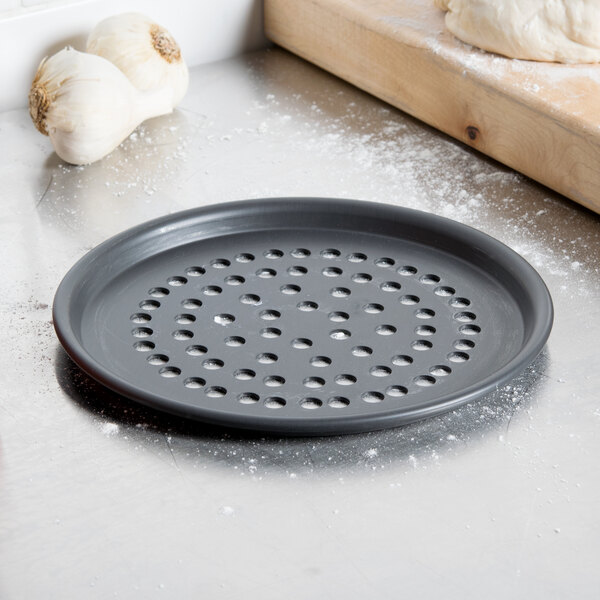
(338, 316)
(307, 306)
(357, 257)
(273, 254)
(211, 290)
(406, 270)
(338, 402)
(191, 303)
(339, 334)
(459, 302)
(409, 300)
(425, 330)
(440, 370)
(470, 329)
(390, 286)
(215, 391)
(248, 398)
(170, 372)
(361, 278)
(270, 332)
(402, 360)
(361, 351)
(212, 364)
(372, 397)
(373, 308)
(185, 319)
(301, 343)
(220, 263)
(274, 380)
(380, 371)
(274, 402)
(142, 332)
(320, 361)
(311, 403)
(244, 257)
(290, 289)
(235, 340)
(140, 318)
(144, 346)
(195, 271)
(345, 379)
(158, 292)
(429, 279)
(396, 391)
(266, 358)
(464, 344)
(297, 271)
(421, 345)
(300, 253)
(444, 290)
(149, 304)
(458, 357)
(244, 374)
(465, 317)
(385, 262)
(424, 380)
(234, 280)
(332, 272)
(424, 313)
(385, 329)
(183, 334)
(266, 273)
(158, 359)
(340, 292)
(313, 382)
(330, 253)
(269, 315)
(223, 319)
(196, 350)
(176, 281)
(252, 299)
(194, 383)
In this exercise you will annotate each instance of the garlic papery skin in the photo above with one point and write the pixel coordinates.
(146, 52)
(87, 106)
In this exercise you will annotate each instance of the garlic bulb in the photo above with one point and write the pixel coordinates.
(87, 106)
(143, 50)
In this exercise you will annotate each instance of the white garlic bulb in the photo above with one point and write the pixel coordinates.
(87, 106)
(143, 50)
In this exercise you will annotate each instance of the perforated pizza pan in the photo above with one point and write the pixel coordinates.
(303, 316)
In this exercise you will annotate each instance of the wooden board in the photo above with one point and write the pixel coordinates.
(542, 119)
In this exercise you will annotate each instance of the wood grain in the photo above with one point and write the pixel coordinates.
(542, 119)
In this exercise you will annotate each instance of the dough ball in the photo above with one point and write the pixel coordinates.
(565, 31)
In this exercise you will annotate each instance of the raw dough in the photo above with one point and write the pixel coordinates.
(549, 30)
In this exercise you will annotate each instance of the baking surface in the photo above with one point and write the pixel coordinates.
(542, 119)
(102, 499)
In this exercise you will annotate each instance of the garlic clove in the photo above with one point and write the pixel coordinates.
(146, 52)
(87, 106)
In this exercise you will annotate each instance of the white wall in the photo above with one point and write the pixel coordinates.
(206, 30)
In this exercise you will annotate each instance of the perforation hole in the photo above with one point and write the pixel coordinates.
(194, 383)
(421, 345)
(267, 358)
(313, 382)
(345, 379)
(253, 299)
(465, 317)
(215, 391)
(332, 272)
(429, 279)
(234, 341)
(274, 402)
(301, 343)
(385, 329)
(459, 302)
(273, 254)
(224, 319)
(440, 370)
(297, 271)
(373, 308)
(330, 253)
(372, 397)
(248, 398)
(220, 263)
(170, 372)
(425, 330)
(385, 262)
(211, 290)
(424, 313)
(290, 289)
(396, 391)
(269, 315)
(357, 257)
(185, 319)
(390, 286)
(196, 350)
(458, 357)
(270, 332)
(338, 316)
(191, 303)
(406, 270)
(266, 273)
(149, 304)
(307, 306)
(300, 253)
(464, 344)
(409, 300)
(380, 371)
(311, 403)
(338, 402)
(320, 361)
(195, 271)
(402, 360)
(177, 281)
(142, 332)
(213, 364)
(470, 329)
(158, 292)
(361, 278)
(158, 359)
(339, 334)
(340, 292)
(234, 280)
(140, 318)
(362, 351)
(274, 380)
(244, 374)
(424, 380)
(244, 257)
(444, 290)
(144, 346)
